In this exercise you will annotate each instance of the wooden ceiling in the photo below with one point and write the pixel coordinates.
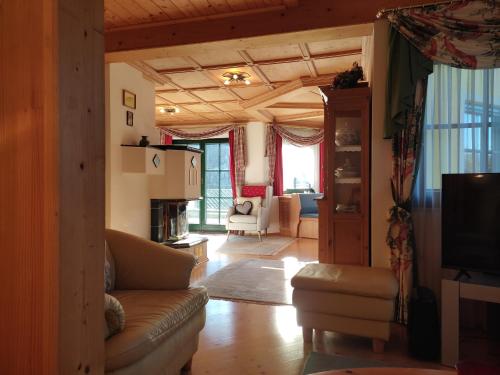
(127, 13)
(284, 83)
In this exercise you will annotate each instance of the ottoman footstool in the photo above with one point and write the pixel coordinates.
(345, 299)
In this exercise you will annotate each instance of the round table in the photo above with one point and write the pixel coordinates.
(387, 371)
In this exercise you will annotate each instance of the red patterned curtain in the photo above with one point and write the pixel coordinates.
(165, 139)
(463, 34)
(213, 132)
(278, 168)
(321, 164)
(231, 163)
(299, 139)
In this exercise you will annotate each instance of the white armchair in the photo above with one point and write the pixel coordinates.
(256, 221)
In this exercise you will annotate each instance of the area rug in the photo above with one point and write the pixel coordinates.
(270, 245)
(317, 362)
(254, 280)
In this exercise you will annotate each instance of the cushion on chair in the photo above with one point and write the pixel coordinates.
(243, 208)
(114, 316)
(354, 280)
(308, 204)
(309, 216)
(152, 316)
(246, 219)
(256, 203)
(253, 191)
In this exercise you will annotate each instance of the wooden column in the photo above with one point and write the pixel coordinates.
(51, 187)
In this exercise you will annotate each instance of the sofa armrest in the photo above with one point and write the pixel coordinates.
(142, 264)
(230, 212)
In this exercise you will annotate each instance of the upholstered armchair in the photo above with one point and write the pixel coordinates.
(257, 220)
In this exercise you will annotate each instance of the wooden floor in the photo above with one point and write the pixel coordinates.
(243, 338)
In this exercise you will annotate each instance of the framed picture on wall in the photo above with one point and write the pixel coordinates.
(130, 118)
(128, 99)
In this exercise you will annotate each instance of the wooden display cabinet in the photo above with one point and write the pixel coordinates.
(344, 211)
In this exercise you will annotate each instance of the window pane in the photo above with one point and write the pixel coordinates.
(300, 166)
(224, 156)
(193, 212)
(211, 157)
(211, 184)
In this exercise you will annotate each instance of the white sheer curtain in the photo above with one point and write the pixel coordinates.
(461, 135)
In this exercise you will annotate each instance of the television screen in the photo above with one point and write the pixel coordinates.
(470, 217)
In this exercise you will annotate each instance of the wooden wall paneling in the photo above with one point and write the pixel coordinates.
(28, 188)
(81, 186)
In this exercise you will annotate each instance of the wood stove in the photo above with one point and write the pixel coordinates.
(169, 220)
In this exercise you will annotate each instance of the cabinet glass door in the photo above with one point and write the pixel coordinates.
(348, 161)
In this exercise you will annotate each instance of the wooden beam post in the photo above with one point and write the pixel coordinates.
(52, 189)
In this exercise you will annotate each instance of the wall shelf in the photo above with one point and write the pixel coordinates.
(355, 148)
(346, 180)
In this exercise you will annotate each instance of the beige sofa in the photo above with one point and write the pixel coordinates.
(163, 315)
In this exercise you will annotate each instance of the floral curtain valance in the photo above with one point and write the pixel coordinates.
(209, 133)
(463, 34)
(315, 136)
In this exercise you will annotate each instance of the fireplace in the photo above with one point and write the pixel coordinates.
(169, 220)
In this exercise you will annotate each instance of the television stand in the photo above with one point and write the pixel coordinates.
(477, 288)
(461, 273)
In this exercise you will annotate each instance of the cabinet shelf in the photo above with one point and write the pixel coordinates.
(354, 148)
(348, 180)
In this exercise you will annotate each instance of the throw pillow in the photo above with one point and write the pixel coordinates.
(256, 203)
(253, 191)
(243, 208)
(114, 316)
(109, 269)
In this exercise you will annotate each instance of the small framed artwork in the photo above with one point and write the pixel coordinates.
(128, 99)
(130, 118)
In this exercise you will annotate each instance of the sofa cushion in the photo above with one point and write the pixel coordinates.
(246, 219)
(356, 280)
(152, 317)
(256, 203)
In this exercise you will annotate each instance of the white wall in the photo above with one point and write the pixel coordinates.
(381, 150)
(257, 168)
(127, 196)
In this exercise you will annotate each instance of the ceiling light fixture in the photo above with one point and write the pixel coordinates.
(169, 110)
(234, 78)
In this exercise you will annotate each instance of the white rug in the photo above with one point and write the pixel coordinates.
(251, 245)
(254, 280)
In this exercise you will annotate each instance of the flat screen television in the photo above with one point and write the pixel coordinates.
(470, 219)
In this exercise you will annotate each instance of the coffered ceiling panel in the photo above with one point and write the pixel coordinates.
(215, 95)
(191, 79)
(177, 97)
(318, 48)
(336, 65)
(169, 63)
(271, 53)
(286, 72)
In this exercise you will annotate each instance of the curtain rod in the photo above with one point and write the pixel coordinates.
(382, 12)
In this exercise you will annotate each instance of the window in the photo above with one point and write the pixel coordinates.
(300, 167)
(462, 123)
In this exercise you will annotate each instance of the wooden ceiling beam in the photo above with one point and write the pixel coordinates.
(252, 63)
(296, 105)
(285, 91)
(299, 116)
(310, 18)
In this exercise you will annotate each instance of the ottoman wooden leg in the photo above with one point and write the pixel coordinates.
(378, 345)
(307, 334)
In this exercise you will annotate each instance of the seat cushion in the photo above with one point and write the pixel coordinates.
(151, 317)
(347, 305)
(309, 216)
(355, 280)
(246, 219)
